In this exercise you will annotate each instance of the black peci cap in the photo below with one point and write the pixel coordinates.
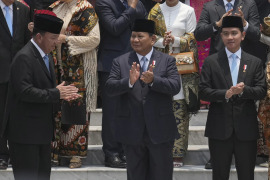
(144, 25)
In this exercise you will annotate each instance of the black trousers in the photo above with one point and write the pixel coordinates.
(30, 161)
(221, 156)
(149, 161)
(110, 146)
(4, 153)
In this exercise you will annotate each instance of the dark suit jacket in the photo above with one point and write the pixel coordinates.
(115, 30)
(239, 114)
(214, 10)
(10, 45)
(142, 106)
(31, 97)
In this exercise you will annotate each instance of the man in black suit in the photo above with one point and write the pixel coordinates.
(32, 94)
(116, 18)
(14, 34)
(145, 81)
(232, 80)
(211, 20)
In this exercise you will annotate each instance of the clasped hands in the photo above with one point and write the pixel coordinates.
(229, 13)
(69, 92)
(134, 74)
(168, 38)
(237, 89)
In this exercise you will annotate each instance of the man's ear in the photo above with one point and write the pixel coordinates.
(243, 35)
(154, 38)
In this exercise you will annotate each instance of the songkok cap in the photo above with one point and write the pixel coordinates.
(232, 21)
(144, 25)
(47, 21)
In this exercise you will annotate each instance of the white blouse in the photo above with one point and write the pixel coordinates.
(179, 19)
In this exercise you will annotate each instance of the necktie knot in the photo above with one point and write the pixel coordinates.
(8, 19)
(6, 8)
(229, 6)
(144, 63)
(46, 61)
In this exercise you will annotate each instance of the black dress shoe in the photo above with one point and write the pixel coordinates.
(114, 162)
(3, 164)
(123, 158)
(208, 165)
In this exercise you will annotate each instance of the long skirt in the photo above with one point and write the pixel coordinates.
(70, 140)
(264, 117)
(182, 121)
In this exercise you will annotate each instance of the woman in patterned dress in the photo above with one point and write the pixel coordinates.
(264, 107)
(175, 24)
(75, 63)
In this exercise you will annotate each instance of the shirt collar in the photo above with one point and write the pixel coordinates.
(237, 53)
(148, 56)
(225, 2)
(38, 48)
(3, 5)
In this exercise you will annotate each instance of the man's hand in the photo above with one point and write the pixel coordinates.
(238, 89)
(219, 23)
(62, 38)
(134, 73)
(229, 94)
(168, 38)
(148, 76)
(31, 26)
(132, 3)
(241, 14)
(68, 92)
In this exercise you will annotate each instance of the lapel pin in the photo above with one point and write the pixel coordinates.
(245, 68)
(153, 63)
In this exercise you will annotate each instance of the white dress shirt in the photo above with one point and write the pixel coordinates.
(38, 48)
(238, 57)
(2, 5)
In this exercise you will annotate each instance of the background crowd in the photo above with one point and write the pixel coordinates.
(95, 32)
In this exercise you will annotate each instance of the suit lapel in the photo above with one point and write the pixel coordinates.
(243, 67)
(155, 57)
(220, 9)
(15, 14)
(238, 3)
(41, 61)
(52, 74)
(224, 65)
(4, 22)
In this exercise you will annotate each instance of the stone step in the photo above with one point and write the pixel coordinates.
(196, 120)
(104, 173)
(196, 135)
(196, 155)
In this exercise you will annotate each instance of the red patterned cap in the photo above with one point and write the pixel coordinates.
(46, 20)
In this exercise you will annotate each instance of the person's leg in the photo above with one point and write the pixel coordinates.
(137, 162)
(25, 161)
(112, 149)
(182, 121)
(4, 153)
(221, 152)
(160, 161)
(245, 158)
(44, 170)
